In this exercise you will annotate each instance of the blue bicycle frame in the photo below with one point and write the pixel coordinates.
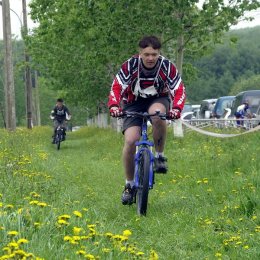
(144, 144)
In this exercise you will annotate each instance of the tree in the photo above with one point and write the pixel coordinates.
(79, 45)
(251, 83)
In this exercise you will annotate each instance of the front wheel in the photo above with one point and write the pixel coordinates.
(58, 140)
(143, 182)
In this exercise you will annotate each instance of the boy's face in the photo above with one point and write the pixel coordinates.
(59, 104)
(149, 56)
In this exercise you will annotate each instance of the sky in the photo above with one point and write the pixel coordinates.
(17, 17)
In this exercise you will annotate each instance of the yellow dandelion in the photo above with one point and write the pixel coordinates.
(246, 246)
(80, 252)
(127, 233)
(33, 202)
(108, 234)
(65, 216)
(140, 253)
(22, 241)
(218, 254)
(42, 204)
(62, 222)
(254, 217)
(20, 252)
(12, 233)
(13, 245)
(257, 229)
(89, 256)
(77, 214)
(67, 238)
(153, 255)
(77, 230)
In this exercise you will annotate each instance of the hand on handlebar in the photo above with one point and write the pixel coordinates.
(174, 114)
(116, 111)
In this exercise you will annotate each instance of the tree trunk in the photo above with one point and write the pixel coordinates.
(28, 81)
(10, 114)
(179, 53)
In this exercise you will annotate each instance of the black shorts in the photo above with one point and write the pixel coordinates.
(142, 105)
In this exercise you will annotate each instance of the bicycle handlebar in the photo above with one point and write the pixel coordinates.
(146, 115)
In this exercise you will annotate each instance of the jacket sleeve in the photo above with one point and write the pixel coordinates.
(114, 98)
(177, 88)
(120, 84)
(53, 112)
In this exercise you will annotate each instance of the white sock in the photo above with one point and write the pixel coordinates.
(132, 183)
(157, 154)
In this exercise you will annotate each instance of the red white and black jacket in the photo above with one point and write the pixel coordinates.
(134, 80)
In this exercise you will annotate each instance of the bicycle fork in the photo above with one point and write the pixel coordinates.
(137, 159)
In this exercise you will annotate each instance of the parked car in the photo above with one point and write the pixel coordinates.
(251, 96)
(190, 111)
(206, 108)
(221, 104)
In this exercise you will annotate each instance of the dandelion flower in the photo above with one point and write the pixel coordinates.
(42, 204)
(77, 214)
(153, 255)
(76, 230)
(12, 233)
(65, 216)
(62, 222)
(80, 252)
(127, 233)
(22, 241)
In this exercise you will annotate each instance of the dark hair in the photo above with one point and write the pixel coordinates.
(150, 41)
(60, 100)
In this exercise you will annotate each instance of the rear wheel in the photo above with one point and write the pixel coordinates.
(143, 185)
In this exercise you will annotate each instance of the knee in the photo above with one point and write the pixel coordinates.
(130, 142)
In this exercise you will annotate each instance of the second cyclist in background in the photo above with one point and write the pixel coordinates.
(60, 114)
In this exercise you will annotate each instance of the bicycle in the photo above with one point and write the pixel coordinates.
(144, 160)
(60, 136)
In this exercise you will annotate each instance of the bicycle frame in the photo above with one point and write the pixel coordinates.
(144, 144)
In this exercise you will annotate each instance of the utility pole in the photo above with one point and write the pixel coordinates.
(10, 115)
(28, 81)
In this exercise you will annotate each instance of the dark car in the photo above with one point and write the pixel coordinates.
(250, 96)
(221, 104)
(206, 107)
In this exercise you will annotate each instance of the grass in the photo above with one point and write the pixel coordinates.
(66, 204)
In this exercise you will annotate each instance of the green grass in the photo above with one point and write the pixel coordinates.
(206, 207)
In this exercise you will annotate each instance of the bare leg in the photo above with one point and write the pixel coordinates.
(132, 135)
(159, 127)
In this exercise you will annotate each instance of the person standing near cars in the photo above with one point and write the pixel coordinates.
(145, 83)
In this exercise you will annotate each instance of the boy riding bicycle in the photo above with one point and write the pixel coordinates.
(60, 114)
(146, 82)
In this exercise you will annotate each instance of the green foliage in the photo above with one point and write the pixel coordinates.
(232, 67)
(66, 203)
(250, 83)
(79, 45)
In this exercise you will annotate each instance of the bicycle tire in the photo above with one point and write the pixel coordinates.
(143, 185)
(58, 140)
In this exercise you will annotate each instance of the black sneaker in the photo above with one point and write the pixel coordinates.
(160, 164)
(128, 195)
